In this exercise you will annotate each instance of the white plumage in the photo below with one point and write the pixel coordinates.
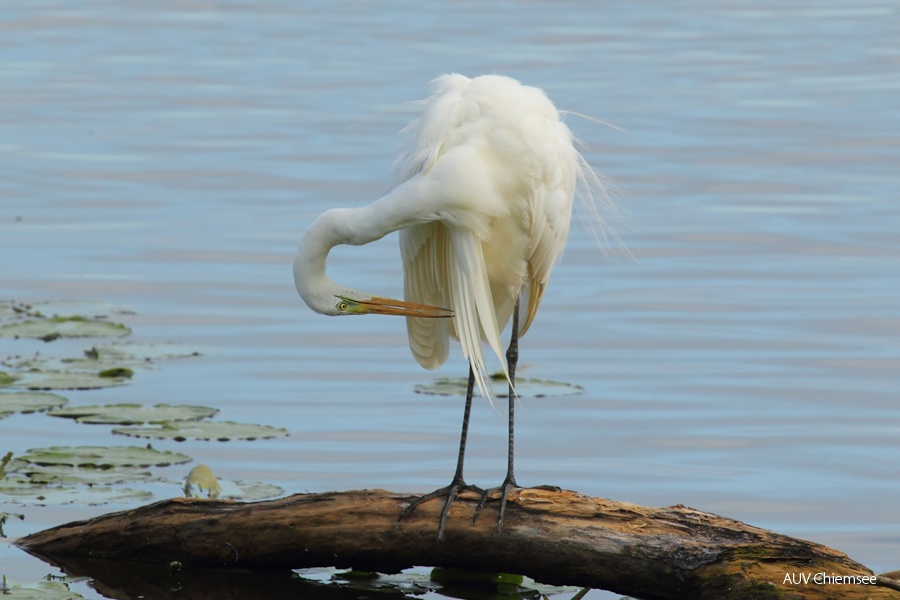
(485, 185)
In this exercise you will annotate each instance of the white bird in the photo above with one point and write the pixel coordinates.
(483, 201)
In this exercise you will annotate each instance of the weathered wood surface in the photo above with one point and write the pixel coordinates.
(555, 537)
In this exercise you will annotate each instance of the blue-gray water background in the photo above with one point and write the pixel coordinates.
(165, 157)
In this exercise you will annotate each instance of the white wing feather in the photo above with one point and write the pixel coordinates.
(426, 257)
(473, 306)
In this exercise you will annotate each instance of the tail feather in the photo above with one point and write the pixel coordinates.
(473, 306)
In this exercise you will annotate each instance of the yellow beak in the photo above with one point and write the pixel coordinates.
(389, 306)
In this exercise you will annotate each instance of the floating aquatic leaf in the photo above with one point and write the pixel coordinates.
(41, 362)
(143, 351)
(446, 582)
(467, 578)
(410, 582)
(133, 414)
(4, 517)
(29, 402)
(81, 364)
(119, 359)
(43, 373)
(62, 474)
(503, 584)
(10, 309)
(33, 363)
(108, 364)
(73, 308)
(56, 327)
(3, 462)
(6, 379)
(66, 380)
(574, 592)
(248, 490)
(45, 590)
(202, 477)
(204, 430)
(120, 372)
(23, 492)
(103, 457)
(535, 388)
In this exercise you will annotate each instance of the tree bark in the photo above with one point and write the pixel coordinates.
(554, 537)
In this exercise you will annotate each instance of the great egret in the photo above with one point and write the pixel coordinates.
(483, 202)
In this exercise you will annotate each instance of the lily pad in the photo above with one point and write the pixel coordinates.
(45, 590)
(6, 379)
(66, 380)
(533, 388)
(82, 364)
(114, 372)
(133, 414)
(73, 308)
(466, 577)
(28, 402)
(10, 309)
(204, 430)
(4, 517)
(62, 474)
(142, 351)
(409, 583)
(454, 583)
(248, 491)
(4, 462)
(56, 327)
(103, 457)
(23, 492)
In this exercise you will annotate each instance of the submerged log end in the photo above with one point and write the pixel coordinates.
(556, 537)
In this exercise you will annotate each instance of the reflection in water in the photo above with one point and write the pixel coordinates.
(119, 579)
(131, 579)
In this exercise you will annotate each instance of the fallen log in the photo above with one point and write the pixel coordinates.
(555, 537)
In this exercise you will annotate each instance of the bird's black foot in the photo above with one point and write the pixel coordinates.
(451, 492)
(504, 488)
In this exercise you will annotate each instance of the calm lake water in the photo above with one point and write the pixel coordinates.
(165, 158)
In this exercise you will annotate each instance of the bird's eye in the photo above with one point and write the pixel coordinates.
(342, 306)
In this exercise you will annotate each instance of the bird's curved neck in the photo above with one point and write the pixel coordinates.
(353, 226)
(313, 285)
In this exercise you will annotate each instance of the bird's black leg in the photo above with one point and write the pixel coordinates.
(509, 483)
(458, 484)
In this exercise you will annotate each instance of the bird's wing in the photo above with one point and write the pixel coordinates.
(425, 281)
(444, 266)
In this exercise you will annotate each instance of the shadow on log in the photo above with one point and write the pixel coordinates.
(555, 537)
